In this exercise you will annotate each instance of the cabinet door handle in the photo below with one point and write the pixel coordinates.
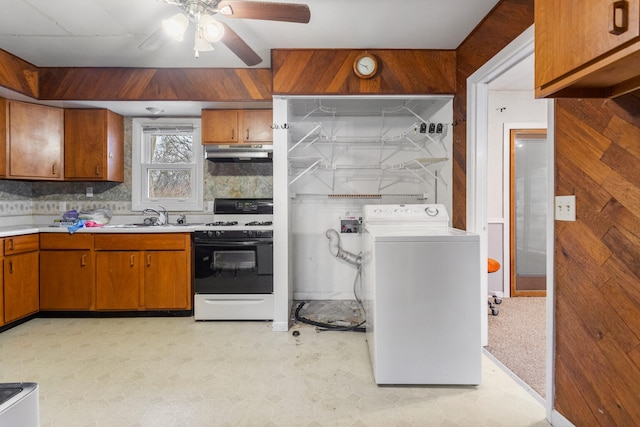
(132, 260)
(83, 260)
(247, 134)
(10, 267)
(148, 260)
(619, 17)
(11, 246)
(98, 173)
(233, 134)
(54, 169)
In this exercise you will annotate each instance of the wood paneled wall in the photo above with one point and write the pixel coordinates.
(503, 24)
(598, 262)
(166, 84)
(597, 258)
(18, 75)
(330, 72)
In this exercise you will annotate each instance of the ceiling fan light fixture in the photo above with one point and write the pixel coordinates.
(176, 26)
(201, 44)
(212, 30)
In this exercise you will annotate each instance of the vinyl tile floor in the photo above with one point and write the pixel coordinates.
(178, 372)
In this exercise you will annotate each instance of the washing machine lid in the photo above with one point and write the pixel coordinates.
(407, 215)
(399, 232)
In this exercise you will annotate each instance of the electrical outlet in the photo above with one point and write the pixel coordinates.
(62, 206)
(565, 208)
(89, 192)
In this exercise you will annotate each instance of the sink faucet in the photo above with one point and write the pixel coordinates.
(162, 216)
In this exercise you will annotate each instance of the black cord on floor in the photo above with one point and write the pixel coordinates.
(323, 327)
(327, 326)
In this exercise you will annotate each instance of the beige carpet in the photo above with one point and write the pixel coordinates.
(517, 338)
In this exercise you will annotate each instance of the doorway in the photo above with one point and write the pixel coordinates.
(477, 169)
(528, 212)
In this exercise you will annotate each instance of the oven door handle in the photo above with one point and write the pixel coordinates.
(233, 244)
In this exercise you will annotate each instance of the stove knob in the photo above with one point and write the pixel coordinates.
(431, 211)
(258, 233)
(249, 233)
(218, 233)
(209, 233)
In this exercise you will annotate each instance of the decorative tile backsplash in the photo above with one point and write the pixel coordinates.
(16, 208)
(19, 198)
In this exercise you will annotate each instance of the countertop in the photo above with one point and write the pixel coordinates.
(17, 230)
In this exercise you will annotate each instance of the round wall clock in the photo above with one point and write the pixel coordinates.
(365, 66)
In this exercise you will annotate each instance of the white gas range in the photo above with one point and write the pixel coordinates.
(233, 262)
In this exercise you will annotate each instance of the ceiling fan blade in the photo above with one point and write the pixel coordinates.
(286, 12)
(238, 46)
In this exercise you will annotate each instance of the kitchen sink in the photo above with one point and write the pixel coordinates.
(126, 225)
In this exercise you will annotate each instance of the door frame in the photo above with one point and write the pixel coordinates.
(511, 250)
(506, 192)
(476, 195)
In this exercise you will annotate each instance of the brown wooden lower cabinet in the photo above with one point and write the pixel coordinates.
(87, 272)
(20, 286)
(2, 292)
(20, 276)
(67, 272)
(166, 280)
(118, 280)
(66, 280)
(143, 271)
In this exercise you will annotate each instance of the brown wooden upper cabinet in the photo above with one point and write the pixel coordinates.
(31, 140)
(93, 145)
(587, 49)
(237, 126)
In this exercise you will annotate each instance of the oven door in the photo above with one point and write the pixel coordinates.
(233, 267)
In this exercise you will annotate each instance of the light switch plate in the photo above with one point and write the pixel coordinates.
(209, 206)
(565, 208)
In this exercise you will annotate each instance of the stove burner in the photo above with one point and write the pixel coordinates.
(253, 223)
(222, 223)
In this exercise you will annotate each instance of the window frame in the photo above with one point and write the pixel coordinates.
(139, 172)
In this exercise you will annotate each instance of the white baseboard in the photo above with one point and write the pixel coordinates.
(280, 326)
(558, 420)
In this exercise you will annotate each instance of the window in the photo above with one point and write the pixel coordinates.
(167, 164)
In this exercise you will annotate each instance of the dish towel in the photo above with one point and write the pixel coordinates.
(82, 223)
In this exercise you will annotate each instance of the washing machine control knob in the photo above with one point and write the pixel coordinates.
(431, 211)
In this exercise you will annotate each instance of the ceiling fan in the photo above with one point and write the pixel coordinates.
(209, 30)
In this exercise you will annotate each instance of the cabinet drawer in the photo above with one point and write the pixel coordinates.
(21, 244)
(66, 241)
(136, 242)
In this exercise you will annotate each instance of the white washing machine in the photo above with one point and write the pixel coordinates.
(421, 282)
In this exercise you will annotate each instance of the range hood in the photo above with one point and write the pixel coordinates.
(239, 153)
